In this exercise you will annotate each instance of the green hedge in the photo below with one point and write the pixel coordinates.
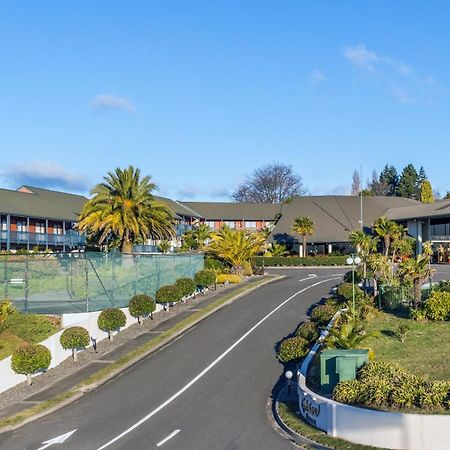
(280, 261)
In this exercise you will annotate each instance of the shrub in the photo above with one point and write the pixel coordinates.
(437, 307)
(347, 392)
(168, 294)
(322, 314)
(7, 309)
(444, 286)
(248, 272)
(111, 319)
(140, 306)
(345, 292)
(205, 278)
(279, 261)
(292, 349)
(186, 286)
(258, 270)
(214, 264)
(228, 278)
(74, 338)
(32, 328)
(308, 331)
(31, 359)
(348, 277)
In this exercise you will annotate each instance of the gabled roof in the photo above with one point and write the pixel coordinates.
(41, 203)
(236, 211)
(420, 211)
(334, 216)
(178, 208)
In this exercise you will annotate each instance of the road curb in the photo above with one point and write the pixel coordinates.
(292, 435)
(81, 389)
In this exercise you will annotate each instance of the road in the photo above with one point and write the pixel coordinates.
(206, 390)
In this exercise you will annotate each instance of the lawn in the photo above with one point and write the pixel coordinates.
(426, 348)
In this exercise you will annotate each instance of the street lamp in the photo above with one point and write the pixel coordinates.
(288, 376)
(94, 342)
(352, 260)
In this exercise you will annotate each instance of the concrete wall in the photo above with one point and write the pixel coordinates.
(370, 427)
(9, 379)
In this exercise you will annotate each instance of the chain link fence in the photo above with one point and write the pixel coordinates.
(66, 283)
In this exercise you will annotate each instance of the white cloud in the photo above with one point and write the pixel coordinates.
(45, 174)
(363, 58)
(317, 77)
(109, 101)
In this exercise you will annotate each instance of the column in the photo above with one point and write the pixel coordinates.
(46, 234)
(28, 233)
(8, 232)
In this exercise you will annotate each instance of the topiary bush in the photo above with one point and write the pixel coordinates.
(228, 278)
(111, 319)
(186, 286)
(308, 331)
(345, 292)
(348, 277)
(168, 294)
(214, 264)
(30, 359)
(322, 314)
(248, 271)
(205, 278)
(74, 338)
(292, 349)
(437, 306)
(141, 305)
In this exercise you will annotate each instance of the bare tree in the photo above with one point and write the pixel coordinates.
(274, 183)
(356, 183)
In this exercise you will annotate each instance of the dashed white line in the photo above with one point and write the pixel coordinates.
(209, 367)
(171, 435)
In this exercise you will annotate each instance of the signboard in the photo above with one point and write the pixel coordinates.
(313, 410)
(440, 238)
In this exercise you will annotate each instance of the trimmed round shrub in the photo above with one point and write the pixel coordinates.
(228, 278)
(111, 319)
(141, 305)
(348, 277)
(248, 271)
(308, 331)
(322, 314)
(345, 292)
(74, 338)
(31, 359)
(168, 294)
(205, 278)
(186, 286)
(292, 349)
(437, 306)
(214, 264)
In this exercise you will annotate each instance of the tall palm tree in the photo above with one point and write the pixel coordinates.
(304, 226)
(380, 268)
(386, 229)
(236, 246)
(365, 245)
(122, 208)
(416, 270)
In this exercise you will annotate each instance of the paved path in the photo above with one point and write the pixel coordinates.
(207, 390)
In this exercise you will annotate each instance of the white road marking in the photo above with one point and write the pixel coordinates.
(171, 435)
(312, 275)
(208, 368)
(309, 277)
(57, 440)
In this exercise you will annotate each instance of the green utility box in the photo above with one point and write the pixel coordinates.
(340, 365)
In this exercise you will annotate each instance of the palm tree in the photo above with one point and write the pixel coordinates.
(164, 246)
(380, 267)
(122, 208)
(386, 229)
(417, 270)
(276, 249)
(365, 245)
(202, 234)
(304, 226)
(236, 246)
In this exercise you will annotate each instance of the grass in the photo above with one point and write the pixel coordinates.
(288, 415)
(425, 350)
(8, 343)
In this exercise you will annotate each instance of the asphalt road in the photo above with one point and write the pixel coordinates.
(212, 384)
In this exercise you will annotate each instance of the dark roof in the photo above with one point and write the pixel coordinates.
(235, 211)
(420, 211)
(334, 216)
(41, 203)
(178, 208)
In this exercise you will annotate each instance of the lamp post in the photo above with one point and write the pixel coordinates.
(288, 376)
(352, 260)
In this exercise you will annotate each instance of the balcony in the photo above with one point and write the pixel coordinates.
(70, 239)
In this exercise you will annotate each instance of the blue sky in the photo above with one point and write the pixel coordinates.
(198, 94)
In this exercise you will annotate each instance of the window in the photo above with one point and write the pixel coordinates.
(21, 226)
(4, 225)
(229, 223)
(40, 227)
(250, 224)
(57, 229)
(210, 223)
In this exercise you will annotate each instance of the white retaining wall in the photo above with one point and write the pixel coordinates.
(8, 378)
(370, 427)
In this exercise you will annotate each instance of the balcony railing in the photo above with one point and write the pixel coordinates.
(70, 239)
